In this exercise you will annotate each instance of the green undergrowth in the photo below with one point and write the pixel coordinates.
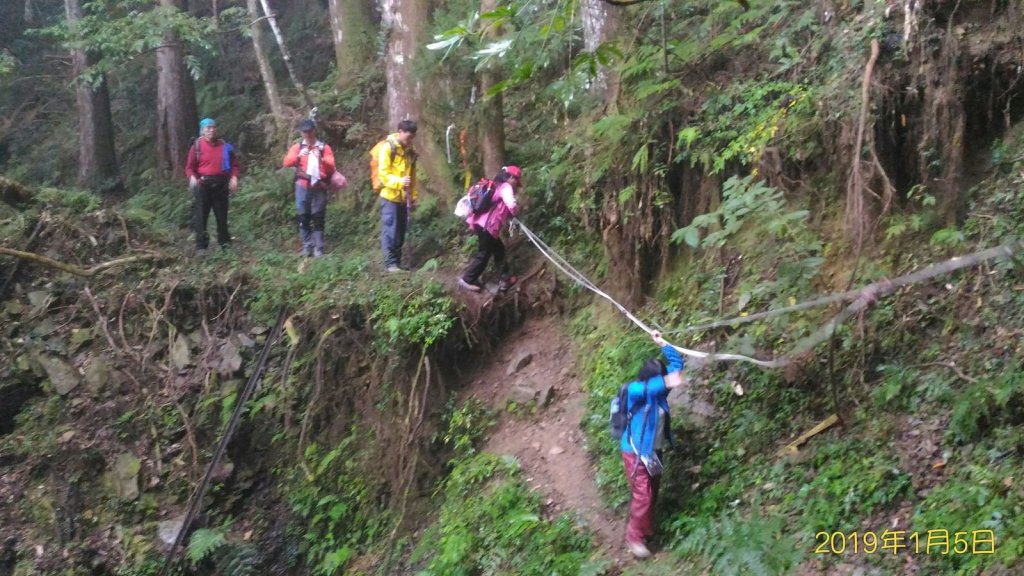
(336, 503)
(491, 523)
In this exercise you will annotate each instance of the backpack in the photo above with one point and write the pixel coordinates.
(481, 196)
(619, 419)
(374, 154)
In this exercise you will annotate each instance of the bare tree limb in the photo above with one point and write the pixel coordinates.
(73, 269)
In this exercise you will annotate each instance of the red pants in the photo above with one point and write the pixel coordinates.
(644, 489)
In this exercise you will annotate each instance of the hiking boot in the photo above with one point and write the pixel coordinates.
(468, 286)
(306, 251)
(392, 268)
(638, 549)
(318, 253)
(507, 283)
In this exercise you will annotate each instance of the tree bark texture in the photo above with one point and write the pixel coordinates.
(97, 159)
(492, 121)
(354, 32)
(285, 54)
(177, 116)
(406, 22)
(600, 25)
(266, 72)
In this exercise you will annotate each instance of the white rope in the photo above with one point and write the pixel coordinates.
(862, 297)
(582, 280)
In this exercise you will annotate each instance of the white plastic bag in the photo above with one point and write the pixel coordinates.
(464, 208)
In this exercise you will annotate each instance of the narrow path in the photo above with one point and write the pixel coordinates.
(538, 361)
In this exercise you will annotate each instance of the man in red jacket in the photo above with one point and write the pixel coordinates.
(212, 176)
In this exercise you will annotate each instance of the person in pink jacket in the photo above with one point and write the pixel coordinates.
(487, 227)
(314, 165)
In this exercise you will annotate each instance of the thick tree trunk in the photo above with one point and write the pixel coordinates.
(266, 72)
(406, 21)
(177, 116)
(97, 160)
(352, 26)
(600, 25)
(492, 124)
(285, 54)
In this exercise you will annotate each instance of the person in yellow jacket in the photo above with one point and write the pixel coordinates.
(396, 169)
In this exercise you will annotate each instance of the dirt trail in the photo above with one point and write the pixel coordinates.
(549, 444)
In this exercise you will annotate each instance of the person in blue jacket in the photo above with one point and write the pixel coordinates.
(649, 427)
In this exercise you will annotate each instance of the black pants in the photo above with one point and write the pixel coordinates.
(486, 246)
(210, 194)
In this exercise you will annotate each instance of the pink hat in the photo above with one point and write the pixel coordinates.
(514, 171)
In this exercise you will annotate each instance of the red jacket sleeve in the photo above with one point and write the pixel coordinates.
(190, 161)
(291, 159)
(327, 162)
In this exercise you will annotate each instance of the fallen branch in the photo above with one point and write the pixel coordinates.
(825, 424)
(102, 319)
(951, 365)
(873, 290)
(73, 269)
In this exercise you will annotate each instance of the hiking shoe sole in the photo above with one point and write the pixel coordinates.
(638, 549)
(467, 286)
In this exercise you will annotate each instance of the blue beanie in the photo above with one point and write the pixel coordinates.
(206, 122)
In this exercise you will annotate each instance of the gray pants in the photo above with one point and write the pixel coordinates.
(393, 219)
(309, 208)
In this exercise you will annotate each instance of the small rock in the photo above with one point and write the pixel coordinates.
(40, 298)
(63, 376)
(79, 337)
(99, 374)
(230, 359)
(66, 437)
(522, 360)
(522, 394)
(168, 529)
(180, 355)
(125, 476)
(245, 342)
(44, 327)
(223, 470)
(556, 450)
(547, 394)
(549, 502)
(535, 446)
